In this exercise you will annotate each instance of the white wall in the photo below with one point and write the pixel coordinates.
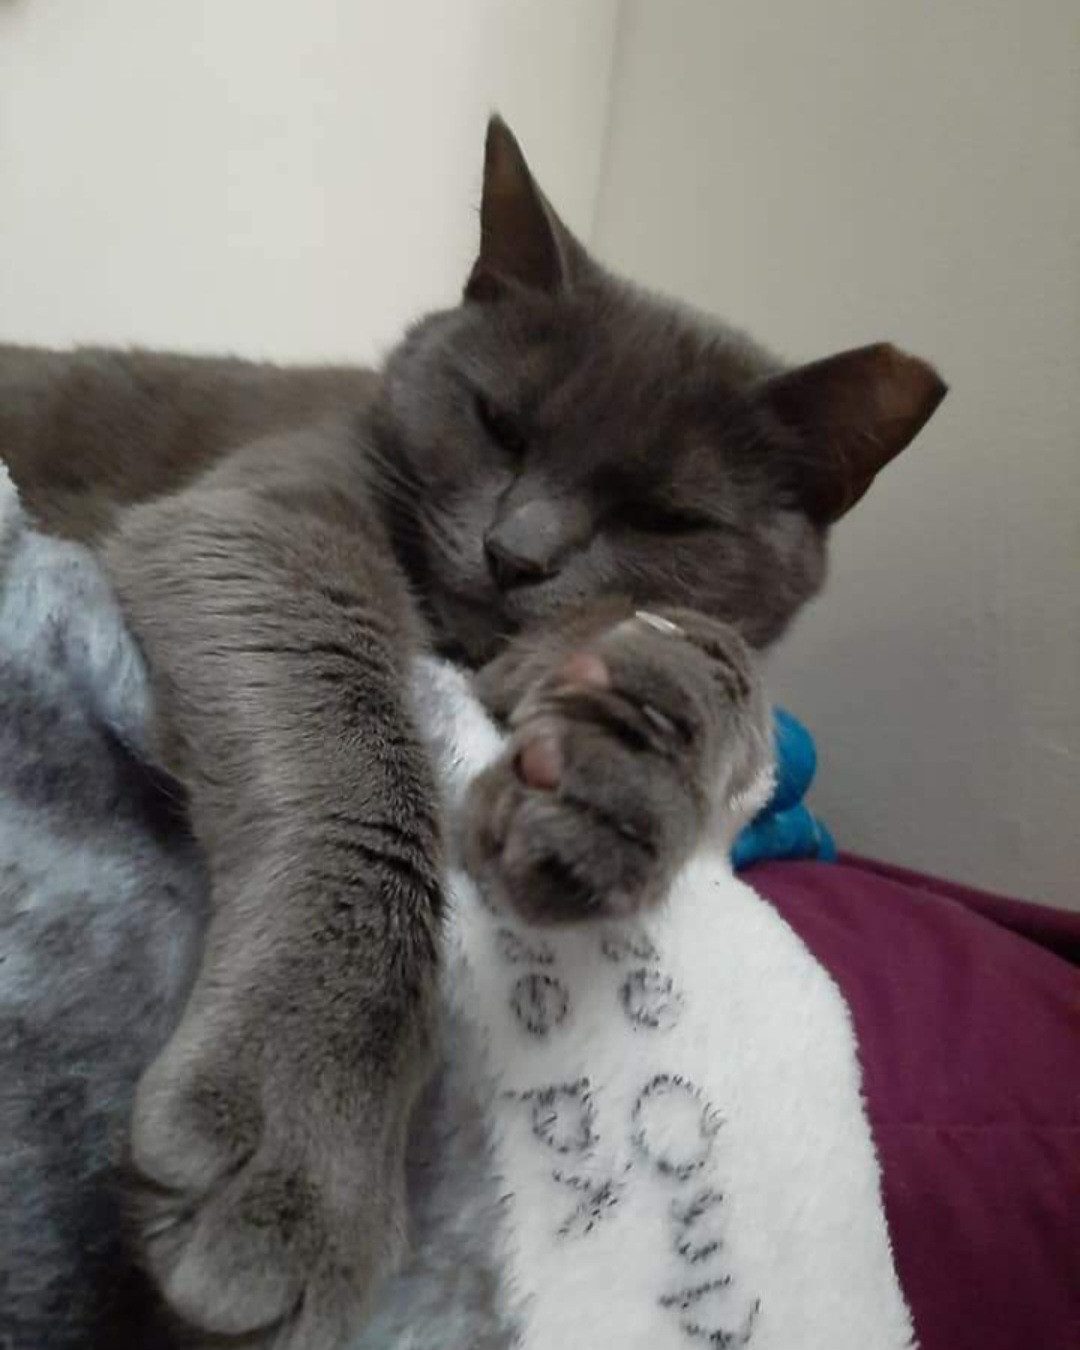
(272, 177)
(833, 172)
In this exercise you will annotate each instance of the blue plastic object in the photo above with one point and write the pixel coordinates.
(785, 828)
(796, 761)
(793, 833)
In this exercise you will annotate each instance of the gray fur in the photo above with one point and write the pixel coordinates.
(558, 438)
(103, 903)
(619, 760)
(103, 900)
(93, 431)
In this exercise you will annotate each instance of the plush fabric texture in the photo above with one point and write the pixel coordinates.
(674, 1110)
(101, 902)
(967, 1011)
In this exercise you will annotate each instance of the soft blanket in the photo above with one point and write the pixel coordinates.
(641, 1135)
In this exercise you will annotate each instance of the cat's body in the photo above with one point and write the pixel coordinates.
(92, 431)
(558, 446)
(103, 904)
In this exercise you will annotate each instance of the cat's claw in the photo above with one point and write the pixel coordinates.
(617, 761)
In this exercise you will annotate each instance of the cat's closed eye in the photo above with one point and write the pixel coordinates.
(501, 426)
(663, 518)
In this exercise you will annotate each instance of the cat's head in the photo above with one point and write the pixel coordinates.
(562, 435)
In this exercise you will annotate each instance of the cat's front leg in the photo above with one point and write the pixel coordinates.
(643, 735)
(268, 1137)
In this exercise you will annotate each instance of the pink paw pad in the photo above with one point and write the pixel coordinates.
(539, 762)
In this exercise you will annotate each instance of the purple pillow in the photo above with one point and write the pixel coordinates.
(967, 1012)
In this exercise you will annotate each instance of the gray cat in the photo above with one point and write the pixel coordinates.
(103, 901)
(529, 467)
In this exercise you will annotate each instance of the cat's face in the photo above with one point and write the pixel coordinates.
(562, 436)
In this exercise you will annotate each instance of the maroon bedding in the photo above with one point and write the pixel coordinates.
(967, 1012)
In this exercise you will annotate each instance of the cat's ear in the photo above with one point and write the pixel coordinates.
(848, 416)
(522, 241)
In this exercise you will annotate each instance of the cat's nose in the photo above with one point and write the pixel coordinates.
(528, 543)
(510, 566)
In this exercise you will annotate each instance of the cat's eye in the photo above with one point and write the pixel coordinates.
(663, 518)
(503, 428)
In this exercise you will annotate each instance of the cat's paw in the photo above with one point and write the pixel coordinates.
(270, 1175)
(617, 763)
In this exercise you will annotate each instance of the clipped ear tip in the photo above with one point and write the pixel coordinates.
(909, 387)
(938, 388)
